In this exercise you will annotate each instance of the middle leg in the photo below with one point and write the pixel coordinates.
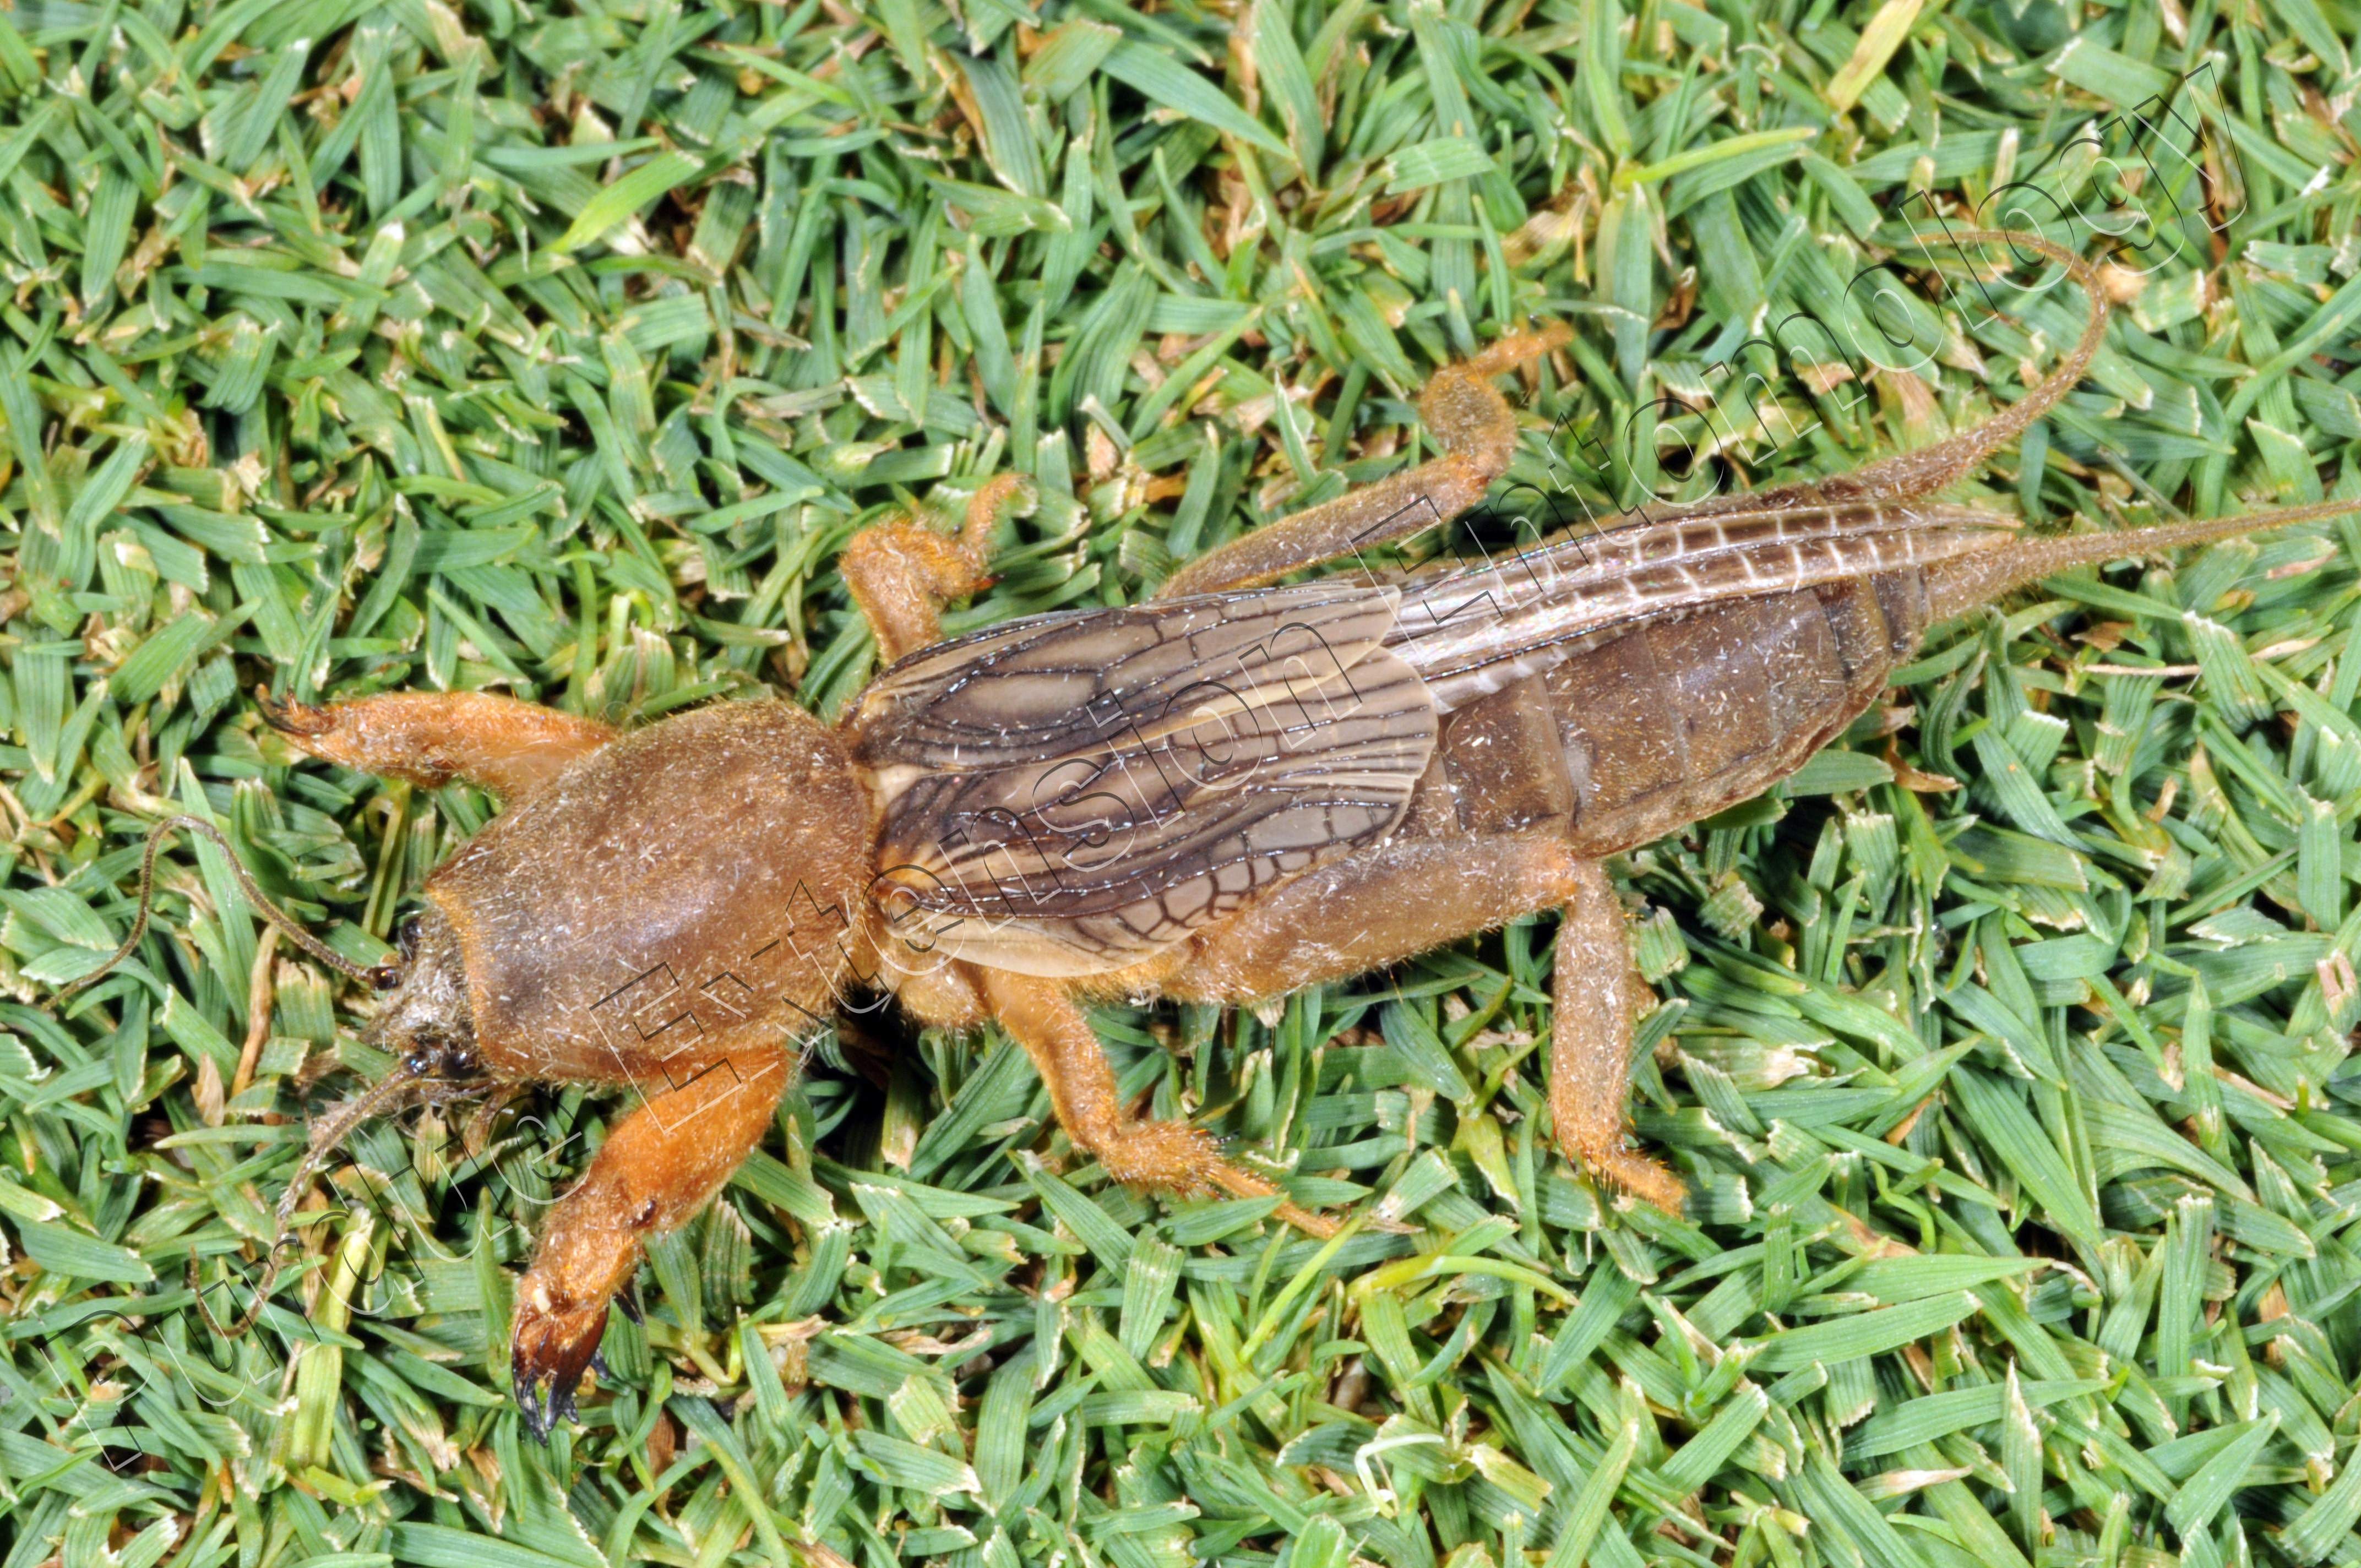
(901, 575)
(1175, 1156)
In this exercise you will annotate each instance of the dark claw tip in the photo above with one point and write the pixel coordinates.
(546, 1365)
(289, 717)
(535, 1414)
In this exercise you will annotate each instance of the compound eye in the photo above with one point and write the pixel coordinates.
(427, 1054)
(461, 1063)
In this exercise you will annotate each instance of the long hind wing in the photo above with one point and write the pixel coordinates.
(1470, 630)
(1073, 794)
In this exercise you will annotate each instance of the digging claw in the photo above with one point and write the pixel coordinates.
(554, 1343)
(289, 717)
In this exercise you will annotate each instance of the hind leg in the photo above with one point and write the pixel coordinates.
(1413, 895)
(1462, 411)
(1596, 997)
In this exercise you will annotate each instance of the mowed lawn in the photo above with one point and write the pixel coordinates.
(557, 349)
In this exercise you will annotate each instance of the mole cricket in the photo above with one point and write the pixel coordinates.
(1223, 794)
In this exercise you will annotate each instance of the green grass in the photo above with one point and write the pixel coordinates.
(558, 350)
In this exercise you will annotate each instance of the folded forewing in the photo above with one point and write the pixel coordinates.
(1073, 794)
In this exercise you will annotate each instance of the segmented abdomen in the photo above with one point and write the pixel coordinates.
(1681, 719)
(1660, 725)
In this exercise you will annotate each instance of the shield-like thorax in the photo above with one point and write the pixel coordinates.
(688, 889)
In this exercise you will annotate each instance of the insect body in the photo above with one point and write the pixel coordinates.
(1224, 794)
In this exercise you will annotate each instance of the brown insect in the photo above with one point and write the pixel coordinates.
(1224, 794)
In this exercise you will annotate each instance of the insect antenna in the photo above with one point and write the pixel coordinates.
(380, 977)
(331, 1133)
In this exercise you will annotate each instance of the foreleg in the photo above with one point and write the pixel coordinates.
(659, 1166)
(1462, 411)
(509, 747)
